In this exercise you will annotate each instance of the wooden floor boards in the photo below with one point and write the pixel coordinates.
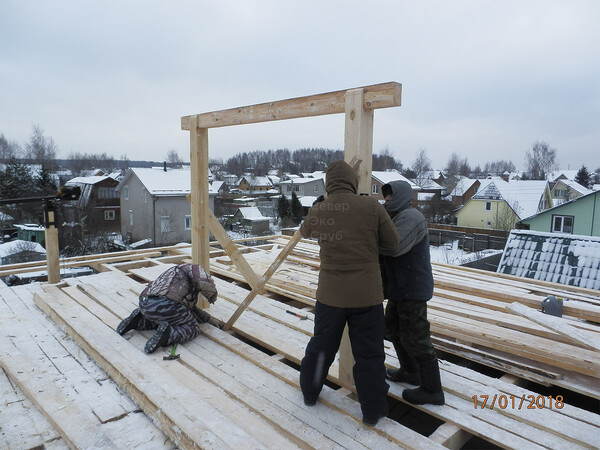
(240, 388)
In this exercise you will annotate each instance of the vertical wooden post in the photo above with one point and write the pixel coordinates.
(358, 137)
(358, 145)
(51, 237)
(199, 193)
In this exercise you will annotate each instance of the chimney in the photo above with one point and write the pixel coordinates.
(165, 166)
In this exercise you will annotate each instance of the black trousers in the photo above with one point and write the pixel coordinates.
(366, 330)
(406, 325)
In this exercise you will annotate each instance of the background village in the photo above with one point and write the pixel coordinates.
(127, 205)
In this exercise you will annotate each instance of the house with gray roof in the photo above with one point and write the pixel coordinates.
(559, 258)
(154, 205)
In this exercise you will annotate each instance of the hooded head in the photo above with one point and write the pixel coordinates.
(340, 176)
(402, 196)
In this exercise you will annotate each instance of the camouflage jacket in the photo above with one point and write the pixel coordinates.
(182, 284)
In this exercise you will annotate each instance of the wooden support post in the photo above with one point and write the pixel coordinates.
(199, 192)
(264, 279)
(53, 267)
(358, 137)
(358, 152)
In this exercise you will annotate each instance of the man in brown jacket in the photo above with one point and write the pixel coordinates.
(350, 229)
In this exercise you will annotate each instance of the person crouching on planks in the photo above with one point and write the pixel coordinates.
(408, 285)
(169, 305)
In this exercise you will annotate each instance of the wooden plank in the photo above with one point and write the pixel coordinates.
(398, 434)
(199, 424)
(51, 237)
(58, 409)
(384, 95)
(557, 325)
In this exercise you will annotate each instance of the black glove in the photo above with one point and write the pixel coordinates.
(319, 199)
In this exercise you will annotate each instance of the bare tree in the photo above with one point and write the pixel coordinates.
(8, 149)
(499, 167)
(173, 158)
(506, 217)
(421, 167)
(458, 166)
(41, 149)
(540, 160)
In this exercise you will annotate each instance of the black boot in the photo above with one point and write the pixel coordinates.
(159, 339)
(408, 371)
(130, 323)
(430, 391)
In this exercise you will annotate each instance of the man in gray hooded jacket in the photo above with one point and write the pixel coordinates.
(408, 285)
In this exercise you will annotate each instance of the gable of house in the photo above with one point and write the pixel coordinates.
(567, 259)
(579, 216)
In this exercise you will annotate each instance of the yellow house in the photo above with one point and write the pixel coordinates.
(499, 204)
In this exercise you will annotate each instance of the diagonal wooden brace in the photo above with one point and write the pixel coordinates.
(264, 279)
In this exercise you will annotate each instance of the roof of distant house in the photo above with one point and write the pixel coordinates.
(158, 182)
(17, 246)
(252, 213)
(388, 176)
(568, 174)
(92, 179)
(559, 258)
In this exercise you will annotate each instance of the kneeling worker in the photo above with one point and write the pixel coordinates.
(169, 306)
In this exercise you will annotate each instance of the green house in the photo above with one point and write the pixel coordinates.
(580, 216)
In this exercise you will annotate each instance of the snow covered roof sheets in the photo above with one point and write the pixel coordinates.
(559, 258)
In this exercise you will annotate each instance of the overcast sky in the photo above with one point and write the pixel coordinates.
(484, 79)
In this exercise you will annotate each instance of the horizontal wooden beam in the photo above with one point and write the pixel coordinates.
(384, 95)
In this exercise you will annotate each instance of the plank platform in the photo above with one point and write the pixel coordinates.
(239, 389)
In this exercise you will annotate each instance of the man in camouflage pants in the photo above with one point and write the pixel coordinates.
(169, 306)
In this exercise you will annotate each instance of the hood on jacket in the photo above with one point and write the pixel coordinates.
(341, 176)
(402, 196)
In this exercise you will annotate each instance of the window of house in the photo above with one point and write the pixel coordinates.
(375, 189)
(289, 188)
(126, 192)
(488, 206)
(131, 217)
(109, 214)
(296, 188)
(165, 224)
(145, 196)
(188, 222)
(316, 189)
(562, 224)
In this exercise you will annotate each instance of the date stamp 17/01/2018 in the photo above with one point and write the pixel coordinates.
(525, 401)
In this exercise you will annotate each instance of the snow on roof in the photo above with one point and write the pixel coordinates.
(559, 258)
(93, 179)
(388, 176)
(173, 182)
(568, 174)
(30, 227)
(5, 217)
(523, 196)
(300, 181)
(13, 247)
(252, 213)
(576, 186)
(462, 186)
(307, 200)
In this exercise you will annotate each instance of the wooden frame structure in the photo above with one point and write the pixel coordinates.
(357, 104)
